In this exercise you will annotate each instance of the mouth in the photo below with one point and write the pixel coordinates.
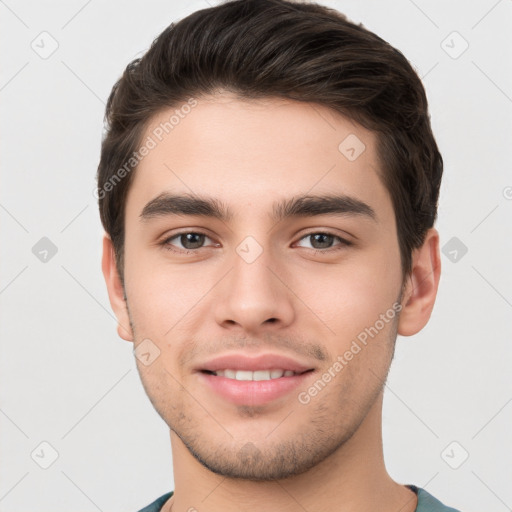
(254, 375)
(253, 381)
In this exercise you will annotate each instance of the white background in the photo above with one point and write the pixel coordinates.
(67, 379)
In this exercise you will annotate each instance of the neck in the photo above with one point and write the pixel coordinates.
(353, 478)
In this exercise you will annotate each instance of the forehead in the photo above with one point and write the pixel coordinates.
(248, 152)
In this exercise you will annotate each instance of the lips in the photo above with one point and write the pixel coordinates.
(242, 362)
(254, 375)
(245, 380)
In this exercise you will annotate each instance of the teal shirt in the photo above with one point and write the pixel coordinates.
(426, 502)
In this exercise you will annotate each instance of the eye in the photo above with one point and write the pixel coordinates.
(323, 241)
(186, 241)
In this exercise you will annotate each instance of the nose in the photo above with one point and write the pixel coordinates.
(253, 296)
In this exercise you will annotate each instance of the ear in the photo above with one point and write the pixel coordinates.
(115, 290)
(421, 286)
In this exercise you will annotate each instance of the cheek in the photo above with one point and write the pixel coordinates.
(161, 294)
(349, 298)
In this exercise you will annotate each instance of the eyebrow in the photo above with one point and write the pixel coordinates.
(299, 206)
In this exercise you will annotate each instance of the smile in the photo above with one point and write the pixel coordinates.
(256, 375)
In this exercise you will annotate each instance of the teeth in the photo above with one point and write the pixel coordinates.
(261, 375)
(256, 375)
(244, 375)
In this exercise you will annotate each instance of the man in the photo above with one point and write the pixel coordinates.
(268, 185)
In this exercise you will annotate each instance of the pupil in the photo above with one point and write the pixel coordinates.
(321, 238)
(187, 240)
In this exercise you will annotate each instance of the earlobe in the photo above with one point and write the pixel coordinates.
(124, 333)
(421, 288)
(115, 290)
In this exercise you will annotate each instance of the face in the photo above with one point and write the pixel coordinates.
(240, 280)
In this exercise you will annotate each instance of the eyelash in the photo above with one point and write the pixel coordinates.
(343, 243)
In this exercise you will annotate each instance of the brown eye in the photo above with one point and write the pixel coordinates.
(186, 241)
(321, 240)
(191, 240)
(325, 241)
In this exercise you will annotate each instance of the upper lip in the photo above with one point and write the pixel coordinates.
(236, 361)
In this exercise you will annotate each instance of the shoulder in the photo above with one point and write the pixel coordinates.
(427, 502)
(156, 505)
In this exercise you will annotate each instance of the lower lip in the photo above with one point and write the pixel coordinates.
(251, 392)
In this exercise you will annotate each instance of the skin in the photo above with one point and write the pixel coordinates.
(193, 305)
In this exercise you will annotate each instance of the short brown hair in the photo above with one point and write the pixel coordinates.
(279, 48)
